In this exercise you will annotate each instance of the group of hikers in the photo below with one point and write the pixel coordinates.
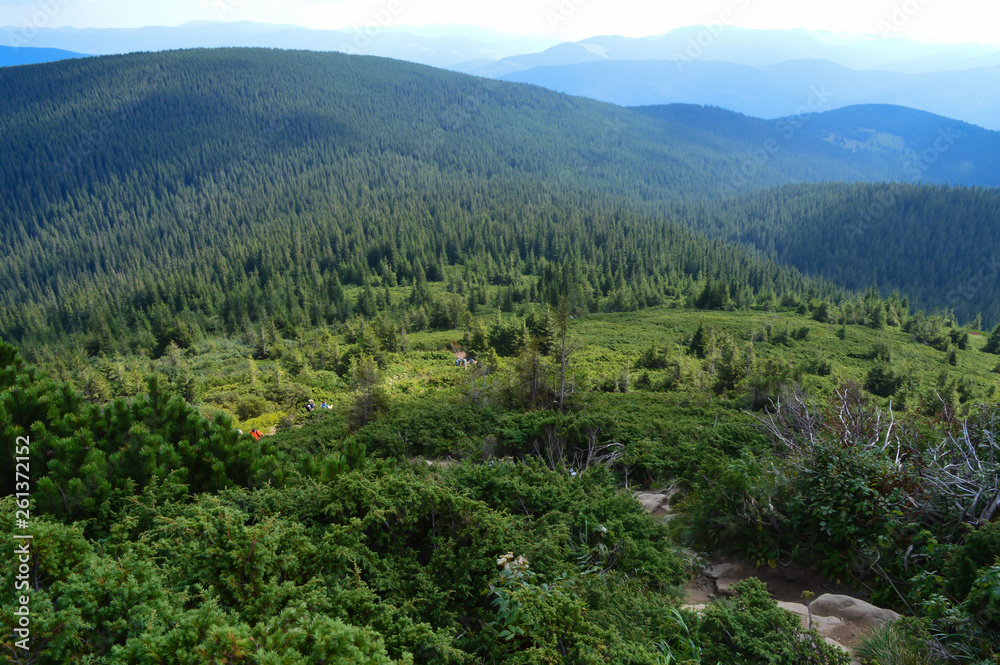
(311, 406)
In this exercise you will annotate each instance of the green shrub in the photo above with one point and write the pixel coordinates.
(543, 622)
(250, 406)
(964, 563)
(751, 628)
(840, 503)
(984, 598)
(993, 343)
(736, 510)
(883, 380)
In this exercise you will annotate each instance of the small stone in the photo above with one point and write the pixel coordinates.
(654, 503)
(852, 610)
(723, 570)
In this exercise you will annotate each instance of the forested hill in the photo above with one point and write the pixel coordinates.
(939, 245)
(195, 111)
(219, 187)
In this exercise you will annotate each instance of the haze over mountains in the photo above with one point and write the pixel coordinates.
(764, 73)
(755, 48)
(438, 46)
(775, 90)
(767, 73)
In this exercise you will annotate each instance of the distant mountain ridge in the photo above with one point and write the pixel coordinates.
(903, 144)
(438, 46)
(13, 56)
(764, 73)
(969, 95)
(753, 48)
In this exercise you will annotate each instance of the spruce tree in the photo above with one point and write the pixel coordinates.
(993, 343)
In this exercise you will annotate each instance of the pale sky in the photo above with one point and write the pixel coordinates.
(925, 20)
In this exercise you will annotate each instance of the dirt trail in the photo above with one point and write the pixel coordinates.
(784, 583)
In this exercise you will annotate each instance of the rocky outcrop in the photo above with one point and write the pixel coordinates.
(726, 575)
(856, 611)
(845, 619)
(840, 619)
(656, 502)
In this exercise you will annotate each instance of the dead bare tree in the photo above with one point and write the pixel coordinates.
(956, 480)
(533, 380)
(552, 444)
(596, 453)
(793, 422)
(863, 425)
(796, 425)
(565, 351)
(963, 472)
(481, 384)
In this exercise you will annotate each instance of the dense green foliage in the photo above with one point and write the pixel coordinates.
(938, 245)
(368, 560)
(219, 236)
(332, 529)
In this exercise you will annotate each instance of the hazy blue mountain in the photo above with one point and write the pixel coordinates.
(932, 148)
(904, 144)
(25, 55)
(944, 62)
(439, 45)
(753, 48)
(784, 89)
